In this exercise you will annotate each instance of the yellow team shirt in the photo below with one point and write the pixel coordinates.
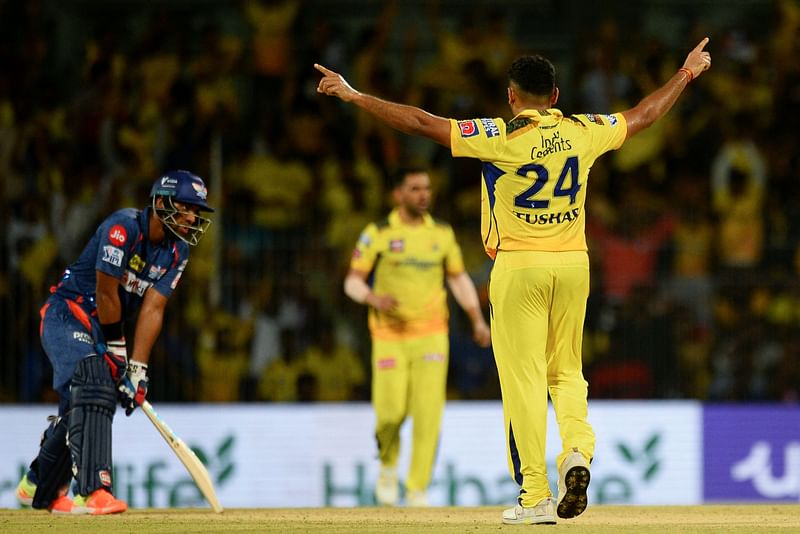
(534, 175)
(410, 264)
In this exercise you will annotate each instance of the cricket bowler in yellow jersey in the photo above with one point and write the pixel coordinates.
(535, 172)
(410, 254)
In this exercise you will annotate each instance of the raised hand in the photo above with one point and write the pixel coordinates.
(333, 84)
(698, 59)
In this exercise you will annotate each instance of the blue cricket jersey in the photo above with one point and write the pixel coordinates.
(121, 248)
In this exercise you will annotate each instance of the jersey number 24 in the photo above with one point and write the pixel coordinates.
(563, 187)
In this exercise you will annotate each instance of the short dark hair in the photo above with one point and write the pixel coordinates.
(535, 75)
(400, 176)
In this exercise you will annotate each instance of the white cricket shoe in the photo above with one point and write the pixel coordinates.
(544, 513)
(573, 480)
(387, 490)
(417, 498)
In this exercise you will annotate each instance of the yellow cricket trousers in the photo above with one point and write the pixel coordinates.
(409, 378)
(538, 304)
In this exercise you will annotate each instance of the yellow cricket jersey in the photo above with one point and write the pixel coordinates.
(534, 175)
(410, 264)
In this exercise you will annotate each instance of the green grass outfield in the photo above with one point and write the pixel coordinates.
(597, 519)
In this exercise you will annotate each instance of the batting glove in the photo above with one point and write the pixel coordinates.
(115, 355)
(133, 386)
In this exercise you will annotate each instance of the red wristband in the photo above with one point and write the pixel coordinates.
(688, 73)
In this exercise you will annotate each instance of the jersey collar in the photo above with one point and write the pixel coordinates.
(549, 115)
(394, 219)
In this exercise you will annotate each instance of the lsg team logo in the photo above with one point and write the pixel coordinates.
(200, 189)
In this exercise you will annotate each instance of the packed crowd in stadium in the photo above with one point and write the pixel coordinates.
(693, 226)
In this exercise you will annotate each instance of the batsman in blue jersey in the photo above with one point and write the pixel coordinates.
(109, 304)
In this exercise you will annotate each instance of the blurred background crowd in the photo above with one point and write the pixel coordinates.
(694, 225)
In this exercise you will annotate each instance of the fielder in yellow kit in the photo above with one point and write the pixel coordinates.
(535, 171)
(410, 254)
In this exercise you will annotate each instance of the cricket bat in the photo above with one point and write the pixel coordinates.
(187, 456)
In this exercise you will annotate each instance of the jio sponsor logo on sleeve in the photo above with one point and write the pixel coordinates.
(117, 235)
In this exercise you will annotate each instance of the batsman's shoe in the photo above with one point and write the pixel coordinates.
(573, 480)
(100, 502)
(62, 505)
(25, 491)
(417, 498)
(544, 513)
(387, 490)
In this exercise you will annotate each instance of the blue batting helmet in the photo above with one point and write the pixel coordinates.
(182, 186)
(186, 189)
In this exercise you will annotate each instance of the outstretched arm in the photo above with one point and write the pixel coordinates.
(656, 104)
(407, 119)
